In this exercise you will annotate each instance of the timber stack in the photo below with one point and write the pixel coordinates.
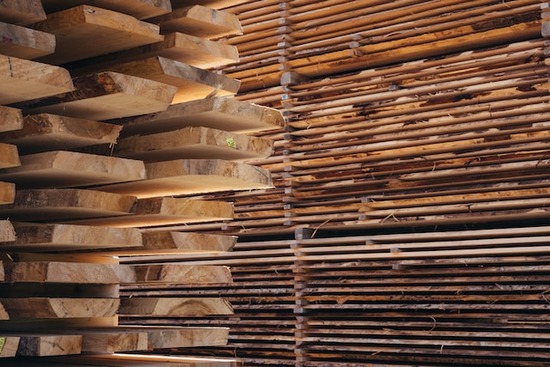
(412, 181)
(111, 118)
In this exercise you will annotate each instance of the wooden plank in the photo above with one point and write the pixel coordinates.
(61, 272)
(108, 95)
(62, 290)
(193, 176)
(49, 345)
(44, 132)
(228, 114)
(9, 156)
(160, 211)
(21, 12)
(59, 308)
(133, 360)
(112, 342)
(10, 119)
(192, 83)
(9, 346)
(25, 43)
(141, 9)
(66, 237)
(200, 21)
(174, 307)
(7, 193)
(174, 273)
(110, 31)
(188, 337)
(63, 204)
(214, 4)
(25, 80)
(48, 324)
(60, 169)
(7, 234)
(193, 143)
(192, 241)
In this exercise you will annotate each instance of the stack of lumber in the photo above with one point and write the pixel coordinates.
(79, 190)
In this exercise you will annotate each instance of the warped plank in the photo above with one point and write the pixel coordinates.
(56, 237)
(193, 143)
(60, 272)
(45, 132)
(200, 21)
(159, 211)
(21, 12)
(174, 273)
(49, 345)
(25, 43)
(193, 176)
(59, 308)
(174, 307)
(60, 169)
(228, 114)
(108, 95)
(62, 204)
(24, 80)
(192, 83)
(110, 31)
(192, 241)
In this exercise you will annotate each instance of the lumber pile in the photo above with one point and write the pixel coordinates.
(86, 202)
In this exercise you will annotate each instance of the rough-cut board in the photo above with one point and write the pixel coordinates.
(49, 345)
(10, 119)
(9, 346)
(195, 51)
(140, 9)
(193, 142)
(61, 272)
(67, 237)
(215, 4)
(7, 234)
(52, 204)
(200, 21)
(7, 193)
(86, 31)
(180, 274)
(21, 12)
(165, 211)
(194, 176)
(228, 114)
(188, 337)
(24, 80)
(141, 360)
(25, 43)
(192, 241)
(63, 290)
(44, 132)
(58, 308)
(59, 169)
(174, 307)
(192, 83)
(108, 95)
(47, 324)
(113, 341)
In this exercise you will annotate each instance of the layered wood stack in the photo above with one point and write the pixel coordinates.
(416, 157)
(109, 119)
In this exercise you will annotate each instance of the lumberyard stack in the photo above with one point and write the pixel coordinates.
(410, 215)
(111, 117)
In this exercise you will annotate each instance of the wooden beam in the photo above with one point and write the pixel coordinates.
(174, 273)
(44, 132)
(193, 143)
(67, 237)
(59, 169)
(108, 95)
(141, 9)
(174, 307)
(21, 12)
(63, 204)
(24, 80)
(228, 114)
(159, 211)
(75, 28)
(59, 308)
(25, 43)
(49, 345)
(192, 241)
(193, 176)
(60, 272)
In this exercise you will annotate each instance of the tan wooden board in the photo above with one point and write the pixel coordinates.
(64, 204)
(174, 273)
(66, 237)
(193, 143)
(9, 156)
(59, 308)
(174, 307)
(159, 211)
(9, 346)
(60, 169)
(132, 360)
(10, 119)
(192, 83)
(7, 234)
(45, 132)
(188, 337)
(63, 290)
(200, 21)
(49, 345)
(192, 241)
(141, 9)
(113, 342)
(60, 272)
(215, 4)
(108, 95)
(21, 12)
(48, 324)
(24, 80)
(86, 31)
(193, 176)
(7, 193)
(25, 43)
